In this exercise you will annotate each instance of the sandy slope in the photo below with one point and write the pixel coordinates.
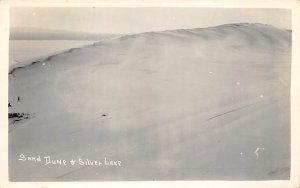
(183, 104)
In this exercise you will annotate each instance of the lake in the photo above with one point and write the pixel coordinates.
(22, 50)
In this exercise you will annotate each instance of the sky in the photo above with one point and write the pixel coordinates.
(136, 20)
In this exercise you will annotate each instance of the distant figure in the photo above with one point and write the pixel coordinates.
(9, 105)
(18, 98)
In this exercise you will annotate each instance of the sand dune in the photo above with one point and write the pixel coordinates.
(191, 104)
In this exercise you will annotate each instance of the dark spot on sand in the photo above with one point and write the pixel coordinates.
(14, 117)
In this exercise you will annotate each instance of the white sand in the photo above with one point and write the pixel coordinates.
(184, 104)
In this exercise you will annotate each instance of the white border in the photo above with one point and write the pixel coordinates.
(294, 5)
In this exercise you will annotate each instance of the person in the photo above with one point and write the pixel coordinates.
(9, 105)
(18, 98)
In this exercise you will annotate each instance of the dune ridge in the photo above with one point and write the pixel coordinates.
(260, 35)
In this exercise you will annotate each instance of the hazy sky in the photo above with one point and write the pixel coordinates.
(133, 20)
